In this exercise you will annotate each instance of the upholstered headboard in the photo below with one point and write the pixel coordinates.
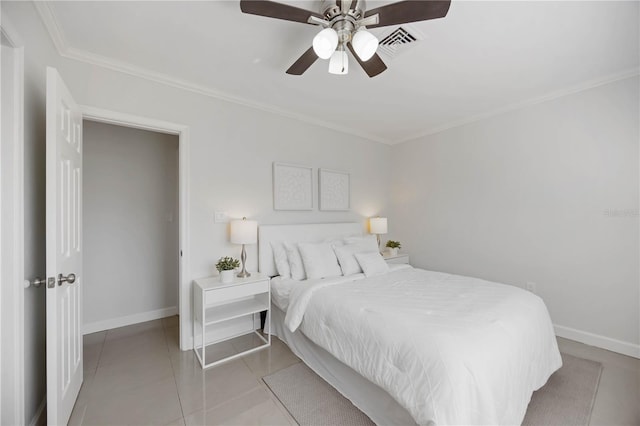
(298, 233)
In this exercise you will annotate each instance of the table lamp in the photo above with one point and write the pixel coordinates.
(378, 225)
(244, 232)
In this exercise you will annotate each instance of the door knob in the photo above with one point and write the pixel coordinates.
(71, 278)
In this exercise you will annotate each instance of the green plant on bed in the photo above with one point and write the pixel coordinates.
(394, 244)
(227, 264)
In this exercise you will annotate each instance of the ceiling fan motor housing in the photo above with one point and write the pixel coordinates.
(344, 24)
(330, 9)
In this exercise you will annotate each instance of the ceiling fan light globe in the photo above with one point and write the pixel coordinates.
(325, 43)
(339, 63)
(365, 44)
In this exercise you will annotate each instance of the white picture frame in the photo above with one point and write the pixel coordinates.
(292, 187)
(334, 190)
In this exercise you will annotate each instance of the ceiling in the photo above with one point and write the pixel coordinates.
(484, 57)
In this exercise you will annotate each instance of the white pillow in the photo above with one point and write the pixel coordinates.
(319, 260)
(295, 261)
(370, 241)
(346, 258)
(281, 259)
(372, 263)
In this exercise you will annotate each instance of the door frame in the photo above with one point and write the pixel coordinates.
(12, 296)
(144, 123)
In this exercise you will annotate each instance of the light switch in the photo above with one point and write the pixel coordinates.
(221, 217)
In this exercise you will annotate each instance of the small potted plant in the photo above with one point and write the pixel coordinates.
(393, 247)
(226, 266)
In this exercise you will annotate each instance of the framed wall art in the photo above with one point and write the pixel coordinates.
(334, 190)
(292, 187)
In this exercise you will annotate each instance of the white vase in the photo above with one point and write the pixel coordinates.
(392, 251)
(227, 276)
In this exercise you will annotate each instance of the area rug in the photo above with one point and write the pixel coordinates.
(566, 399)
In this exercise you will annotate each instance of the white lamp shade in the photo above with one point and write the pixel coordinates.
(365, 44)
(339, 63)
(378, 225)
(325, 43)
(244, 231)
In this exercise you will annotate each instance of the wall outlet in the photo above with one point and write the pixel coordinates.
(530, 286)
(221, 217)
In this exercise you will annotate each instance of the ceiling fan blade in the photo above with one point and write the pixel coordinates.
(303, 63)
(272, 9)
(403, 12)
(373, 66)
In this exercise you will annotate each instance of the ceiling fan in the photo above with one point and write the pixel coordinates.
(344, 25)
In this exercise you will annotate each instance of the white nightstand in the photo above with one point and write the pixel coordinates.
(399, 258)
(215, 302)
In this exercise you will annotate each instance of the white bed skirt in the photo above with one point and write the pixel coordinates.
(368, 397)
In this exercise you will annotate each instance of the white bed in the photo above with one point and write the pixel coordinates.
(414, 346)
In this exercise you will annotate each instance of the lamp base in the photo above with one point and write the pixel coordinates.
(243, 257)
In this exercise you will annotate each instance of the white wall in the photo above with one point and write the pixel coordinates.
(232, 148)
(130, 225)
(532, 195)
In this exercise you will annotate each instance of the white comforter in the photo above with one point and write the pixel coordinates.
(450, 349)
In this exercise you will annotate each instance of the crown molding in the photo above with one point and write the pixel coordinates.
(633, 72)
(57, 35)
(51, 24)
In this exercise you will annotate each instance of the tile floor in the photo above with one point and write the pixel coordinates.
(137, 375)
(618, 398)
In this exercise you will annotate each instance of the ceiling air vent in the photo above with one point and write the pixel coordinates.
(398, 40)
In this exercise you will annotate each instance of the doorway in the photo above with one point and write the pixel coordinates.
(182, 132)
(130, 226)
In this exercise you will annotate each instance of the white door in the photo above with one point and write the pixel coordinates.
(64, 256)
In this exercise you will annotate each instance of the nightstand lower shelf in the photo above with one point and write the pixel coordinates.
(219, 352)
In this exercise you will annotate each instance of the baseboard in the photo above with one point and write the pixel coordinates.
(624, 348)
(94, 327)
(38, 418)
